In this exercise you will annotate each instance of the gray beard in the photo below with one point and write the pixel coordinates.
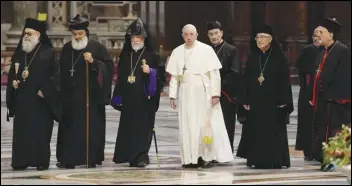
(79, 45)
(28, 46)
(137, 47)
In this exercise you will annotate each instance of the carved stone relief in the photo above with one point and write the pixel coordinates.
(57, 15)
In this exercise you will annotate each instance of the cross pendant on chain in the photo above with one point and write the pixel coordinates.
(72, 71)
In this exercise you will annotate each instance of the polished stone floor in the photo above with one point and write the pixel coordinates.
(170, 171)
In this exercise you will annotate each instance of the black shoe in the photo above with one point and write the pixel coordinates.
(306, 158)
(201, 162)
(263, 167)
(277, 167)
(328, 168)
(190, 166)
(100, 163)
(139, 164)
(207, 164)
(41, 168)
(62, 166)
(215, 162)
(92, 166)
(19, 168)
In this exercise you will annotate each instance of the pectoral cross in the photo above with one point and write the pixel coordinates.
(72, 71)
(131, 79)
(261, 79)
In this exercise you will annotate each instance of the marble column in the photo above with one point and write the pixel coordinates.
(152, 17)
(130, 9)
(161, 17)
(143, 13)
(21, 11)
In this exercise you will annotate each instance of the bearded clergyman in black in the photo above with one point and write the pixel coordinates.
(137, 95)
(32, 97)
(72, 134)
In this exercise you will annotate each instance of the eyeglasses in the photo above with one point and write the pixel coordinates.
(261, 37)
(28, 34)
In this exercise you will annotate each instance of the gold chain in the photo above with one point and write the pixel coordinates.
(132, 70)
(25, 58)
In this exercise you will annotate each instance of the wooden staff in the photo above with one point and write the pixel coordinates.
(87, 113)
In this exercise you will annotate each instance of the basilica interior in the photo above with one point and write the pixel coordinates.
(293, 23)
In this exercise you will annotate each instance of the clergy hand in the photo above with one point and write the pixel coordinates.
(311, 103)
(40, 94)
(15, 83)
(88, 57)
(173, 103)
(247, 107)
(215, 101)
(281, 106)
(146, 69)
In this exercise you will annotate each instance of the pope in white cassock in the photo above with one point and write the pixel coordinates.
(195, 87)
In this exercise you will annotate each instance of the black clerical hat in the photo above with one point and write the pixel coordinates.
(78, 23)
(213, 25)
(34, 24)
(138, 27)
(39, 26)
(266, 29)
(332, 25)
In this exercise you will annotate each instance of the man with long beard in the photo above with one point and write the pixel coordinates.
(30, 92)
(72, 136)
(137, 95)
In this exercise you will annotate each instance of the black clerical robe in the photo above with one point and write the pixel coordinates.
(266, 132)
(33, 115)
(71, 144)
(305, 64)
(138, 103)
(331, 95)
(229, 85)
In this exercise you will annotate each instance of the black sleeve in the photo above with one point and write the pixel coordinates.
(51, 86)
(11, 92)
(102, 72)
(284, 86)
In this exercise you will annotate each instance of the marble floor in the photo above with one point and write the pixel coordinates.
(169, 171)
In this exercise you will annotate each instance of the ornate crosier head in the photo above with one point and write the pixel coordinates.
(17, 65)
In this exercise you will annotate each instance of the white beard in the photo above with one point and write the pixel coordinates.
(81, 44)
(137, 47)
(29, 45)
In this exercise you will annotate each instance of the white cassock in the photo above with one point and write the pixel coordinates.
(194, 88)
